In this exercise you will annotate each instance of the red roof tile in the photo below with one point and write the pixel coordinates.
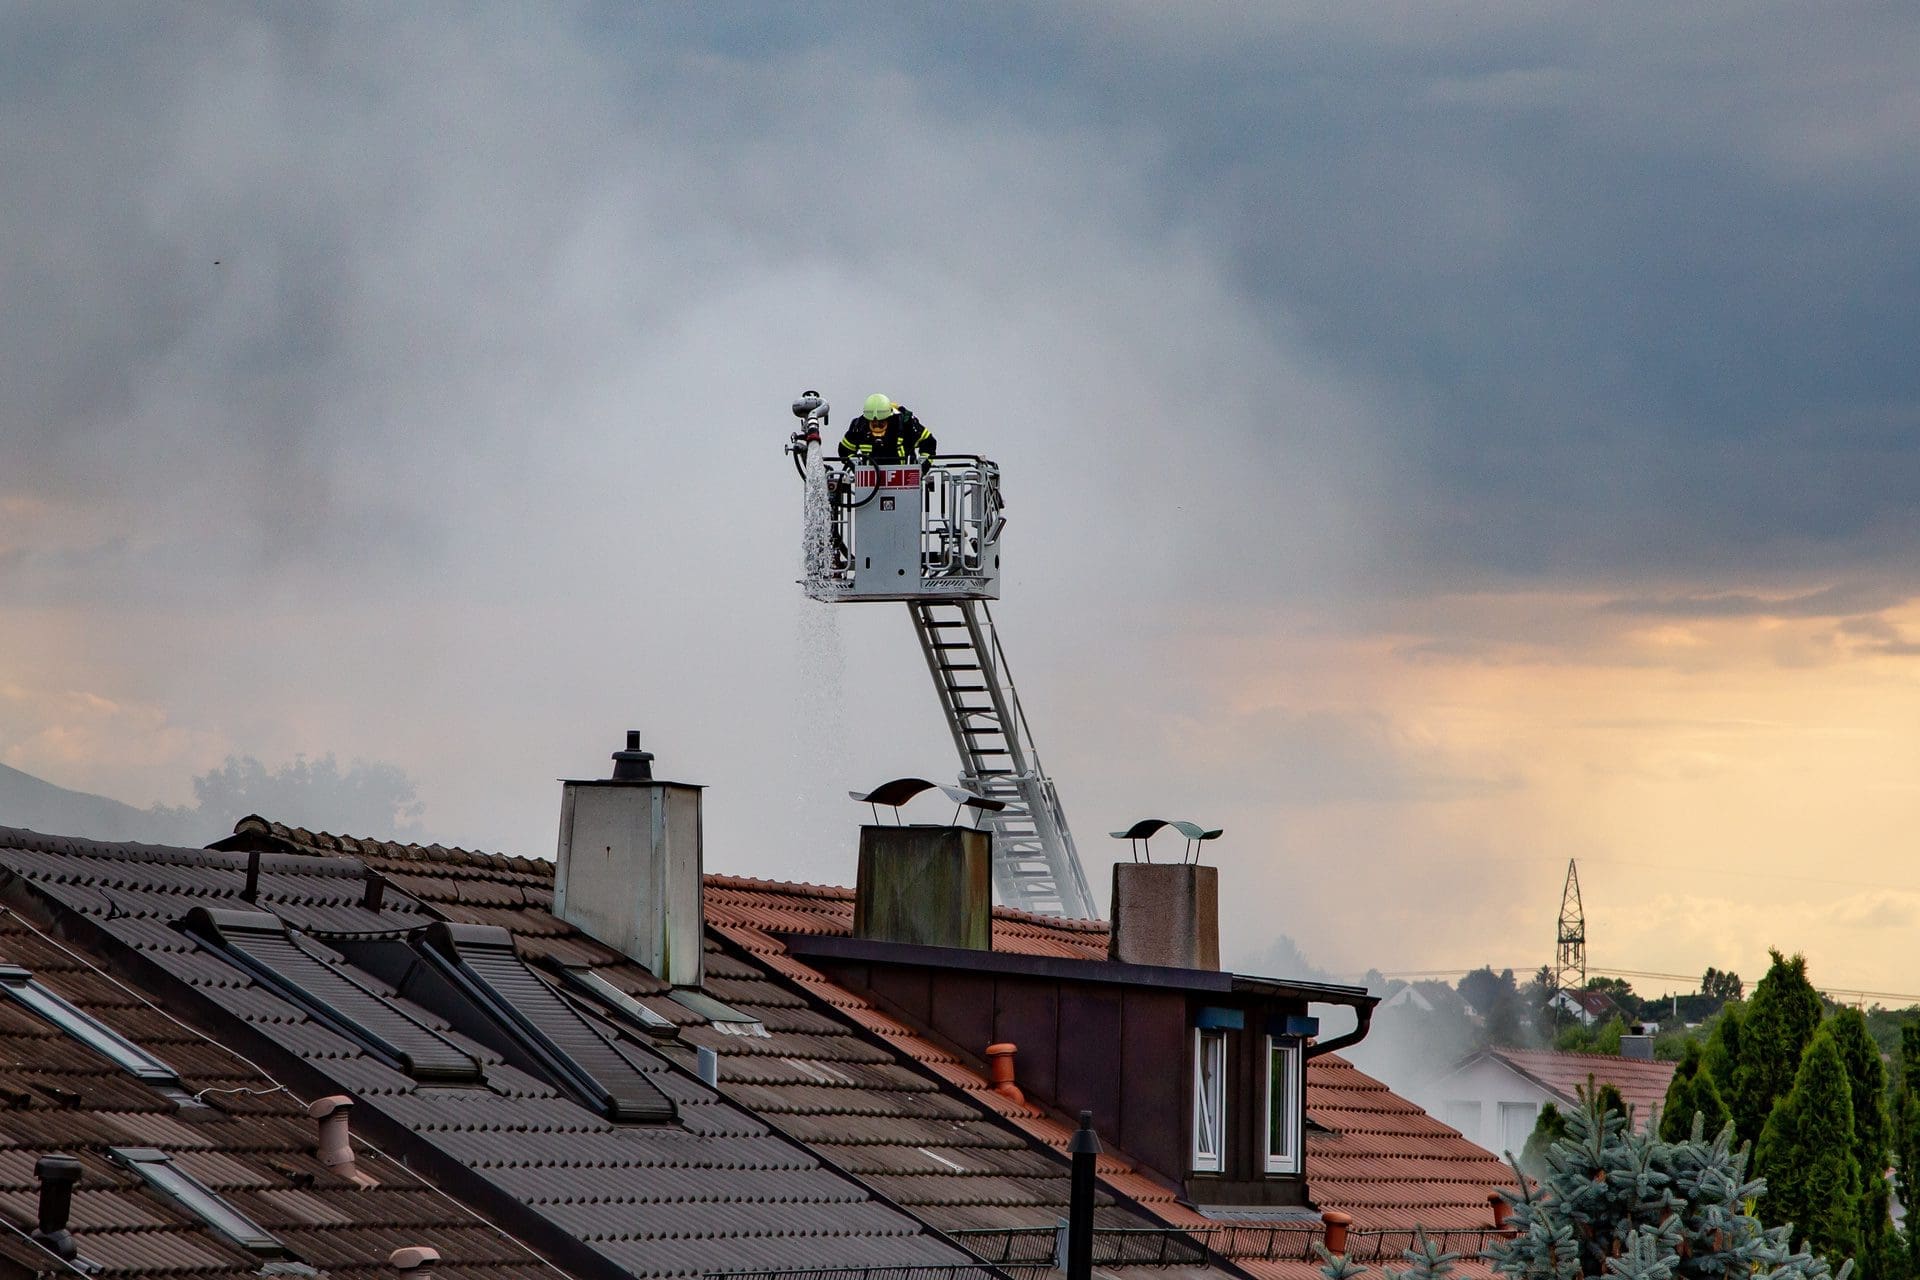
(1642, 1084)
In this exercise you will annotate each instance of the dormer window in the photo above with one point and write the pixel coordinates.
(1284, 1097)
(1209, 1100)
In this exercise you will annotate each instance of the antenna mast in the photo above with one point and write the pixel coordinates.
(1570, 955)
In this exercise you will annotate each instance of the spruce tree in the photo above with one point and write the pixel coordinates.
(1692, 1091)
(1631, 1205)
(1778, 1024)
(1871, 1141)
(1806, 1153)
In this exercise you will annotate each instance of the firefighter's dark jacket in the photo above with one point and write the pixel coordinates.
(907, 439)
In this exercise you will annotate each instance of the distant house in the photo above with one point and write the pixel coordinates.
(1591, 1007)
(1494, 1096)
(1426, 997)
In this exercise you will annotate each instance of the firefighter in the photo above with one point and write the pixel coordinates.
(886, 432)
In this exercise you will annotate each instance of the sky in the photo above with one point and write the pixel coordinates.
(1441, 441)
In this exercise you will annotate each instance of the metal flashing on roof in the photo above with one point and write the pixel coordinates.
(18, 984)
(157, 1168)
(260, 944)
(481, 961)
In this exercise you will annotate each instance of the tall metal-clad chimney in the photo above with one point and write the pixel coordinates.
(630, 869)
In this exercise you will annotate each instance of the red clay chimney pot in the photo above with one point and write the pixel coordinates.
(1000, 1070)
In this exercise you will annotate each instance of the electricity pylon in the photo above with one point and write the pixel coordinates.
(1570, 955)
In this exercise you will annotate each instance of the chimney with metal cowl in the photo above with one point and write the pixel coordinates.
(629, 865)
(923, 884)
(1165, 913)
(57, 1174)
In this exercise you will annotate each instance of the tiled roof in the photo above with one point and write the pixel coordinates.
(1384, 1161)
(714, 1191)
(253, 1145)
(913, 1126)
(1642, 1084)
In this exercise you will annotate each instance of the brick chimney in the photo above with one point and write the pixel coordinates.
(629, 865)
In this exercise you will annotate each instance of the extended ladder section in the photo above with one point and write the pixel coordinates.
(1035, 866)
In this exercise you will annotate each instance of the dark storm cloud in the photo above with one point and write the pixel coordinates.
(1636, 282)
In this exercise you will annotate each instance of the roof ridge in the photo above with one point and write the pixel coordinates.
(451, 855)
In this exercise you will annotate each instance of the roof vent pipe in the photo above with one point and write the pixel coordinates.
(414, 1262)
(57, 1174)
(633, 764)
(708, 1064)
(336, 1138)
(1337, 1224)
(1000, 1071)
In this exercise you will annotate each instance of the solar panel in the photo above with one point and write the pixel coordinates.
(481, 961)
(164, 1176)
(19, 985)
(260, 944)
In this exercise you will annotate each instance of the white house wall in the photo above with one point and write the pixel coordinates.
(1489, 1103)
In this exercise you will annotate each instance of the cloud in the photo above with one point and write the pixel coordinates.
(1834, 601)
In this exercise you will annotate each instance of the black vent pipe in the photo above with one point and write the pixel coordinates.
(1085, 1150)
(57, 1174)
(633, 764)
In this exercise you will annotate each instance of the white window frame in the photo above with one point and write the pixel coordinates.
(1209, 1043)
(1286, 1160)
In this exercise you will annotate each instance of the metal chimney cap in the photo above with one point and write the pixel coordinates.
(1142, 831)
(633, 764)
(897, 792)
(1084, 1141)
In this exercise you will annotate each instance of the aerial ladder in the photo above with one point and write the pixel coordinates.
(927, 533)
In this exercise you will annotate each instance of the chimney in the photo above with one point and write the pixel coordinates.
(1165, 913)
(415, 1262)
(630, 865)
(927, 885)
(57, 1174)
(336, 1143)
(1639, 1048)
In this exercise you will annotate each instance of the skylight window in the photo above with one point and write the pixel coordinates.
(724, 1018)
(159, 1171)
(480, 960)
(592, 984)
(18, 984)
(260, 945)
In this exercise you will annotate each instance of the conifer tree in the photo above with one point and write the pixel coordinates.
(1722, 1055)
(1806, 1153)
(1871, 1141)
(1906, 1138)
(1777, 1026)
(1548, 1129)
(1692, 1091)
(1631, 1205)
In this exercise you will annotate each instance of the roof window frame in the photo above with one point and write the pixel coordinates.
(1208, 1148)
(18, 984)
(1290, 1160)
(157, 1169)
